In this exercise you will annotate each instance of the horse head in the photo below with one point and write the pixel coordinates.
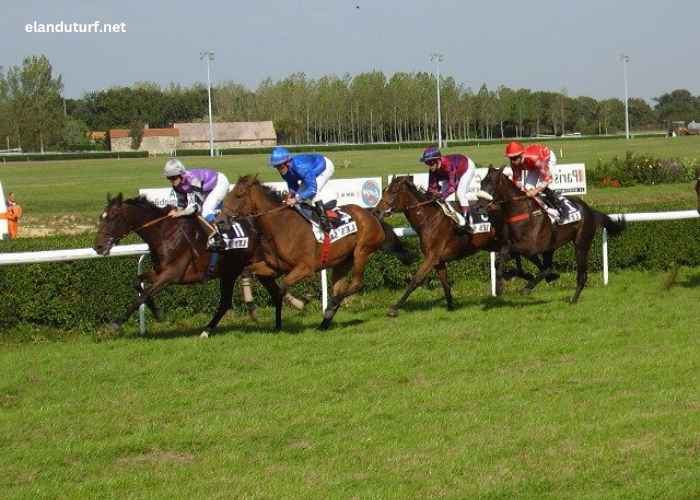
(241, 201)
(398, 195)
(496, 187)
(112, 226)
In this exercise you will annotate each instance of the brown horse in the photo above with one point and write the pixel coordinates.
(440, 242)
(290, 248)
(179, 255)
(527, 228)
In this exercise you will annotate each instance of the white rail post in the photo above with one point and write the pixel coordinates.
(493, 273)
(142, 308)
(605, 256)
(324, 290)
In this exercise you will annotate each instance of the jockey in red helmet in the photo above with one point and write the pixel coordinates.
(454, 171)
(532, 172)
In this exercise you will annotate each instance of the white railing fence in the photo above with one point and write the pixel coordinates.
(141, 250)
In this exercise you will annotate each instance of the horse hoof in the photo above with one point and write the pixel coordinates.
(113, 327)
(509, 275)
(525, 292)
(552, 277)
(307, 298)
(393, 312)
(322, 327)
(254, 314)
(204, 335)
(159, 316)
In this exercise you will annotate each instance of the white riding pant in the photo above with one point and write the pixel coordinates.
(531, 178)
(216, 196)
(464, 182)
(321, 181)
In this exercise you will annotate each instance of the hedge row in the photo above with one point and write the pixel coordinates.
(87, 155)
(86, 293)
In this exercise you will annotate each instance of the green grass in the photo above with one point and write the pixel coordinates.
(52, 191)
(503, 398)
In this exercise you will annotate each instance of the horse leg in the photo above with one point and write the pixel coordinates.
(442, 274)
(163, 280)
(426, 266)
(225, 303)
(583, 246)
(503, 258)
(547, 259)
(148, 277)
(271, 286)
(340, 272)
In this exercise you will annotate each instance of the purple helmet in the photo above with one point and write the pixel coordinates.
(431, 154)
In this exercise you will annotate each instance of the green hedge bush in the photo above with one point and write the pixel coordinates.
(87, 293)
(73, 156)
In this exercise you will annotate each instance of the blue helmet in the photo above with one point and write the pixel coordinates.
(431, 154)
(279, 156)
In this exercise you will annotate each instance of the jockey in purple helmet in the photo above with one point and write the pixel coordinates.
(454, 171)
(209, 188)
(306, 176)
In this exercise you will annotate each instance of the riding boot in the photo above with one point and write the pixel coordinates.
(558, 202)
(466, 227)
(322, 217)
(215, 240)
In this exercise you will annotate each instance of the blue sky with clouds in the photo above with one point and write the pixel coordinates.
(537, 44)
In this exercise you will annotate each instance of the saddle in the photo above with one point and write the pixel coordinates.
(475, 223)
(333, 214)
(552, 210)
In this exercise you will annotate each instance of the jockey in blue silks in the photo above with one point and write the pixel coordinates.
(306, 176)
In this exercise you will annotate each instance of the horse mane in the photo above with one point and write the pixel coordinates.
(421, 193)
(148, 206)
(252, 180)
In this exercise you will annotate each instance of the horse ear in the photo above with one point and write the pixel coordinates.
(119, 198)
(109, 197)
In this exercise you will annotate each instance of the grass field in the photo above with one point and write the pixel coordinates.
(59, 194)
(502, 398)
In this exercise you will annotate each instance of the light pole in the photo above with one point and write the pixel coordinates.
(625, 59)
(438, 58)
(210, 57)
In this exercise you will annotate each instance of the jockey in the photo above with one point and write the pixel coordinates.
(209, 188)
(306, 175)
(456, 171)
(532, 172)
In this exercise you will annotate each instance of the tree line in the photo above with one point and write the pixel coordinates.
(366, 108)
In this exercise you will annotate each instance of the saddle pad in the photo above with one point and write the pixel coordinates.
(345, 226)
(235, 238)
(479, 223)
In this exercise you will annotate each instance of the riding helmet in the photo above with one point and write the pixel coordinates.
(173, 168)
(430, 154)
(279, 156)
(514, 149)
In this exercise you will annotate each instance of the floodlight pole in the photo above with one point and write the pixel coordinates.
(625, 59)
(210, 57)
(438, 58)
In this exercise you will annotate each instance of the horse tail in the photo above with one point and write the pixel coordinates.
(614, 227)
(394, 245)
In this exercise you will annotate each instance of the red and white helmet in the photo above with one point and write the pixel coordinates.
(514, 149)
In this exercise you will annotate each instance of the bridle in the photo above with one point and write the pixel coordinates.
(113, 240)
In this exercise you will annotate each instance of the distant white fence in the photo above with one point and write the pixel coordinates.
(142, 250)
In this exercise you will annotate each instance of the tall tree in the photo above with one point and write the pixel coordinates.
(36, 107)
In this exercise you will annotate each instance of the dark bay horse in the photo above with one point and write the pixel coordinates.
(179, 255)
(527, 228)
(290, 248)
(439, 241)
(697, 189)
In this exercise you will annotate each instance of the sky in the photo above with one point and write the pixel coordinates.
(542, 45)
